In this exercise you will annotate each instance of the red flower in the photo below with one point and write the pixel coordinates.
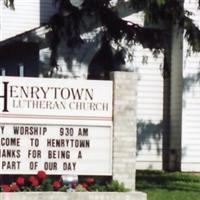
(73, 185)
(5, 188)
(84, 185)
(89, 180)
(31, 179)
(56, 184)
(20, 181)
(14, 187)
(34, 181)
(41, 175)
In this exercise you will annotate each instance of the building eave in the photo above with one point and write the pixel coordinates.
(37, 35)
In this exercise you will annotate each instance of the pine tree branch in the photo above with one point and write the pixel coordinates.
(192, 34)
(9, 4)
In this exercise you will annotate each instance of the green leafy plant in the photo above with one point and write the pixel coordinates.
(116, 186)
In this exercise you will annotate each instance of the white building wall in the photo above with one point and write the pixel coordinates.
(28, 14)
(150, 109)
(149, 104)
(191, 101)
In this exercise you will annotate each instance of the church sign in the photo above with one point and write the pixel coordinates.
(57, 125)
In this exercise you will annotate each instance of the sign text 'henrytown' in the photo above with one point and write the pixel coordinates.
(29, 96)
(33, 97)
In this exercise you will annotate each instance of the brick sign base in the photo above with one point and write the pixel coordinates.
(73, 195)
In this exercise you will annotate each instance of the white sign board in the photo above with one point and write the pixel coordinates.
(57, 125)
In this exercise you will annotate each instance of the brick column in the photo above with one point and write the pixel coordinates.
(124, 127)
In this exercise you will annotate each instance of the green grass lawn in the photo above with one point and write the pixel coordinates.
(168, 186)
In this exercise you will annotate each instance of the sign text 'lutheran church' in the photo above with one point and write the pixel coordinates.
(57, 125)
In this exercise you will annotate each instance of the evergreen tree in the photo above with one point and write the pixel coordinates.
(161, 16)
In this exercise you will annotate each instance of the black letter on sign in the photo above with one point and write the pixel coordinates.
(5, 96)
(79, 155)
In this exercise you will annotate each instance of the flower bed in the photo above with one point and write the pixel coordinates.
(40, 187)
(42, 182)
